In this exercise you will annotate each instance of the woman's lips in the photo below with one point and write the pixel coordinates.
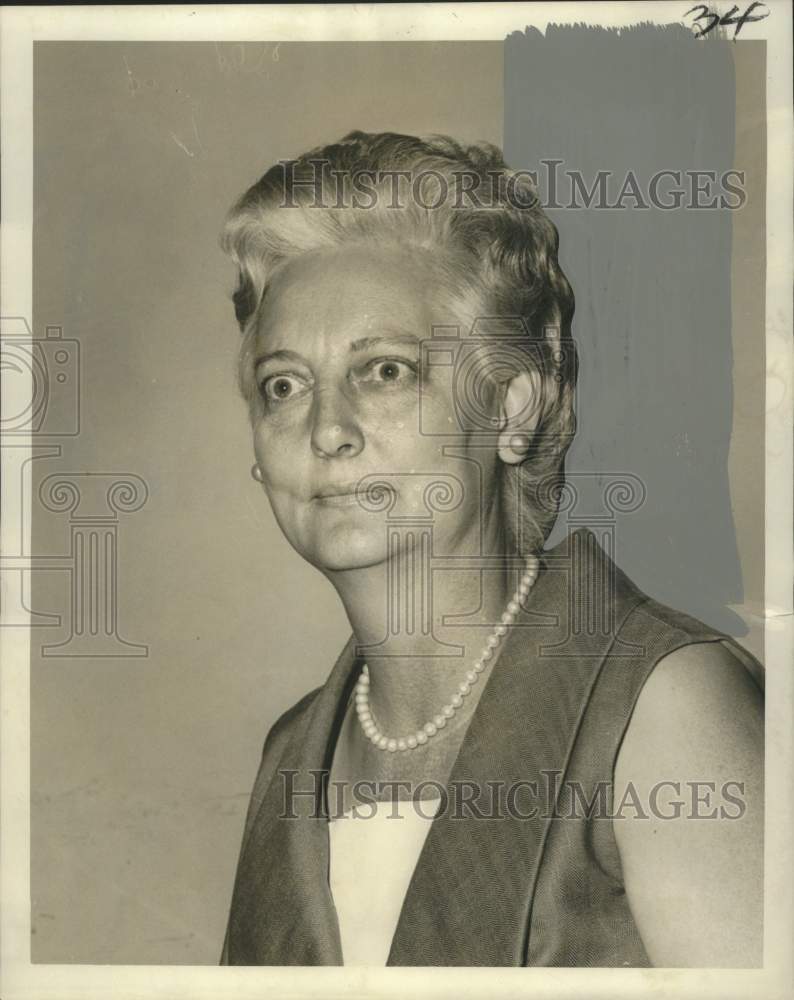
(370, 498)
(338, 499)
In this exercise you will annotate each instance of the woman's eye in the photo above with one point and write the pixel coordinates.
(391, 370)
(278, 388)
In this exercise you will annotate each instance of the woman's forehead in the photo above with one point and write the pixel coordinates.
(353, 292)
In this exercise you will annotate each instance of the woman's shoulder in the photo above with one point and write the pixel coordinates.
(697, 689)
(691, 642)
(275, 744)
(653, 616)
(700, 707)
(285, 724)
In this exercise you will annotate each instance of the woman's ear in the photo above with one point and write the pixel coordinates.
(520, 412)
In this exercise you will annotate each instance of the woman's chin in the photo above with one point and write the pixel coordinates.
(346, 549)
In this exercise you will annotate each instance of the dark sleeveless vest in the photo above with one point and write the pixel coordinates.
(528, 873)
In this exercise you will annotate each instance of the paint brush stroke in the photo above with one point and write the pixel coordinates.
(653, 289)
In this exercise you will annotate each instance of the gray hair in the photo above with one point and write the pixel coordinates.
(493, 246)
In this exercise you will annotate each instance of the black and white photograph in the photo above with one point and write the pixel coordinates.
(397, 500)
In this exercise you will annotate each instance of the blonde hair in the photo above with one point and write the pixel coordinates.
(494, 247)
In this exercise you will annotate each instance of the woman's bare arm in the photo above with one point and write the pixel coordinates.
(695, 883)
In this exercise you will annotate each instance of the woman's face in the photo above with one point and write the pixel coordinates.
(337, 356)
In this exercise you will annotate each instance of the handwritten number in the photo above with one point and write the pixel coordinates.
(704, 13)
(747, 18)
(726, 19)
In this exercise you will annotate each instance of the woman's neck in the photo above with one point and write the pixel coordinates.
(420, 632)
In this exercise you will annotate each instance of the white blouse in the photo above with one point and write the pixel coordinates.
(374, 849)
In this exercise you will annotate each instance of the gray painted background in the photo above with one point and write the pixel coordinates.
(653, 289)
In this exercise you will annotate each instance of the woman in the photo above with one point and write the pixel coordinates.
(409, 370)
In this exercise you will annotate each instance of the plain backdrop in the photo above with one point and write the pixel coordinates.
(142, 766)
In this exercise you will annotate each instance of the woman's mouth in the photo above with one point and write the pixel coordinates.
(338, 499)
(370, 493)
(339, 495)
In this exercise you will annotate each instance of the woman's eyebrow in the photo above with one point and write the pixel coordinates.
(284, 354)
(281, 355)
(390, 338)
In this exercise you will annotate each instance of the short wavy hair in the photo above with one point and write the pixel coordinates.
(484, 229)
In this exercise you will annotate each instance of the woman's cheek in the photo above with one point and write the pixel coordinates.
(282, 428)
(392, 416)
(277, 460)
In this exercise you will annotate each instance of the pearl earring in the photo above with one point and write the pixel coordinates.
(515, 451)
(520, 443)
(256, 472)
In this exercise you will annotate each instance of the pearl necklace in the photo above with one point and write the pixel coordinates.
(421, 736)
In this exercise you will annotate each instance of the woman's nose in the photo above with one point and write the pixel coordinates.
(335, 429)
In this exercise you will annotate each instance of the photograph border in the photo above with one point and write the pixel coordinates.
(20, 27)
